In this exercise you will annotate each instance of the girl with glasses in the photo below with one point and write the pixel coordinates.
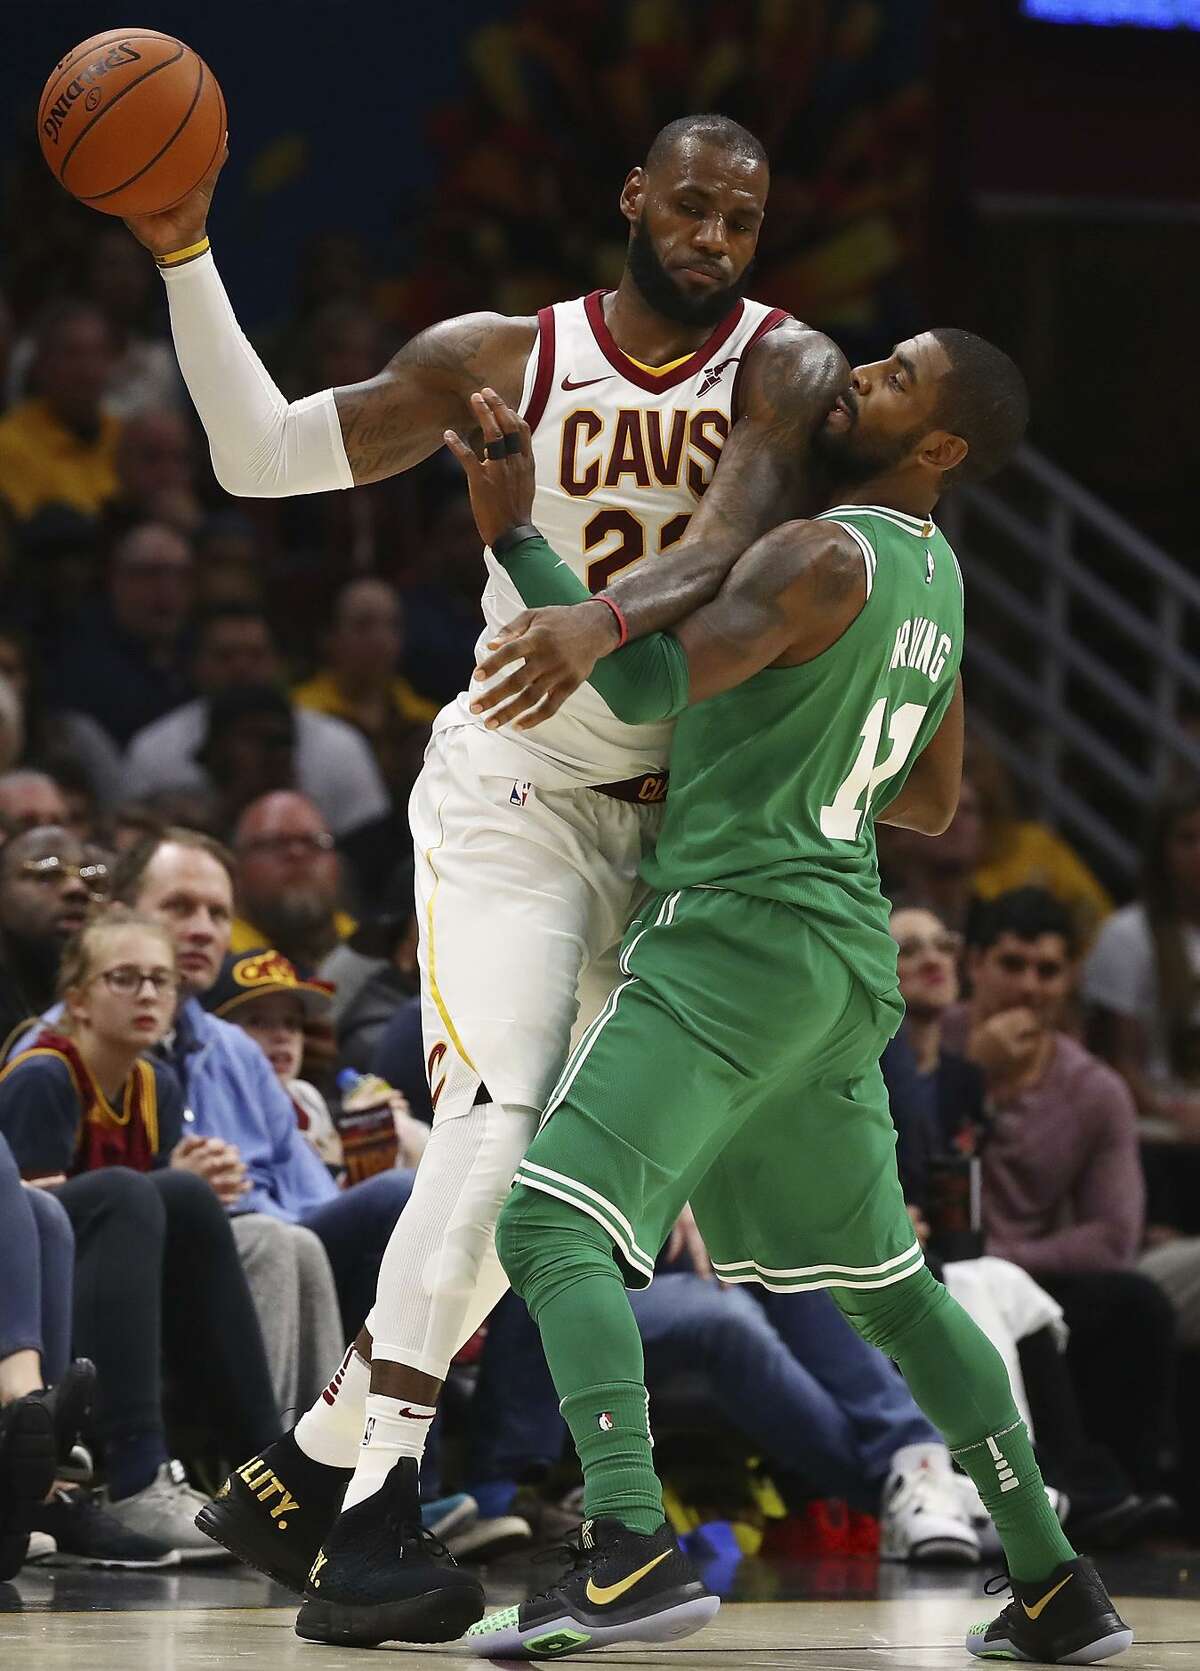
(93, 1118)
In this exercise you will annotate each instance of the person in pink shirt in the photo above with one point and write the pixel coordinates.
(1063, 1193)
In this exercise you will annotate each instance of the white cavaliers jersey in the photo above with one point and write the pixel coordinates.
(623, 455)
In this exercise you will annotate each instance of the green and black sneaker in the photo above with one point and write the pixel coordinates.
(1065, 1619)
(275, 1511)
(621, 1586)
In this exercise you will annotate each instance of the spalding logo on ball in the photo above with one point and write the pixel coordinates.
(131, 121)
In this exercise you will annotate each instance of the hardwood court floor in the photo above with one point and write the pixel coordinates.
(828, 1616)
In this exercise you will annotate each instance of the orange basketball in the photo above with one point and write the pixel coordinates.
(130, 121)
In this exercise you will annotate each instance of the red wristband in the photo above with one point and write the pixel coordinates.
(622, 623)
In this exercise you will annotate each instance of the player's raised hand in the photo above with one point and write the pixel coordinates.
(180, 227)
(501, 482)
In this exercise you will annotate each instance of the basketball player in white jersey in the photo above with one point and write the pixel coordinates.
(527, 843)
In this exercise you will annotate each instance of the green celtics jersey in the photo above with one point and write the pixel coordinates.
(773, 782)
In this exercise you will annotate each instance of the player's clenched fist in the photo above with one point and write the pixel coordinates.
(501, 482)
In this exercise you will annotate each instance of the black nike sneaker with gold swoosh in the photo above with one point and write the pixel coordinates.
(1065, 1619)
(621, 1586)
(275, 1510)
(380, 1576)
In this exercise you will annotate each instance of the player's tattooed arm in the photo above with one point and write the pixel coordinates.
(765, 476)
(790, 597)
(398, 418)
(928, 799)
(786, 599)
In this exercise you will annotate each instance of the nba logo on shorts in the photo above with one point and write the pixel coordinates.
(520, 793)
(370, 1428)
(605, 1422)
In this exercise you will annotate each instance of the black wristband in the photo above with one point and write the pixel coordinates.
(515, 536)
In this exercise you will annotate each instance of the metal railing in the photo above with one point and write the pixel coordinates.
(1076, 666)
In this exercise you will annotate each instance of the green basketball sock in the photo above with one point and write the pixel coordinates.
(1009, 1480)
(958, 1378)
(610, 1424)
(562, 1265)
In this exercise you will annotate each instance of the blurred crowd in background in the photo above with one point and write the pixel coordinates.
(212, 711)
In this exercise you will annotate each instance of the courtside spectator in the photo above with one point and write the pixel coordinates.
(47, 883)
(287, 880)
(1063, 1194)
(123, 659)
(29, 799)
(88, 1115)
(938, 1104)
(361, 682)
(261, 992)
(59, 446)
(234, 647)
(186, 881)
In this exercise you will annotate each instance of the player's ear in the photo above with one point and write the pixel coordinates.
(943, 451)
(632, 194)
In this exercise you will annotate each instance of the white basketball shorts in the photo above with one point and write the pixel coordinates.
(522, 895)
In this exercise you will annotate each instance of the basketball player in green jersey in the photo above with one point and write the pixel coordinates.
(736, 1066)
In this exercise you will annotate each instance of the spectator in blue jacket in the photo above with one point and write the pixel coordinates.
(308, 1248)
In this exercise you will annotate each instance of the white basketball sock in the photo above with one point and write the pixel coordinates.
(395, 1427)
(331, 1431)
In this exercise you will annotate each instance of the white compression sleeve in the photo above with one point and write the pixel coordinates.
(261, 446)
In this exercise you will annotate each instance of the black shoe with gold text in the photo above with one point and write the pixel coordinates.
(381, 1576)
(274, 1511)
(1067, 1618)
(621, 1586)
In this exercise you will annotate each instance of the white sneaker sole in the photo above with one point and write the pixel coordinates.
(1105, 1647)
(568, 1635)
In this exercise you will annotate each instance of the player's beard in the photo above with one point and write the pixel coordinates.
(660, 291)
(850, 458)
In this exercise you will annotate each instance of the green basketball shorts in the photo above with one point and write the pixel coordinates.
(736, 1066)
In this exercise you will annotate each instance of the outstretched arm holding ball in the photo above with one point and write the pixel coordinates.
(167, 130)
(265, 446)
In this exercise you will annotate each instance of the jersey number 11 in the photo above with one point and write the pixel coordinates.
(843, 818)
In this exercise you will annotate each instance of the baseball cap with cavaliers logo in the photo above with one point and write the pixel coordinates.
(254, 974)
